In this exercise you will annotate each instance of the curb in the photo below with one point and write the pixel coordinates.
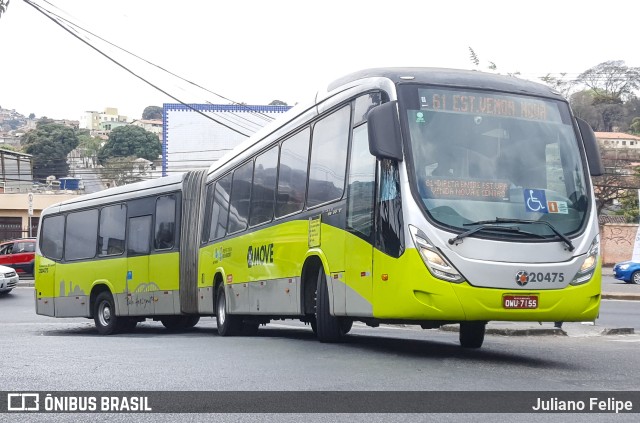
(620, 296)
(618, 331)
(540, 331)
(512, 332)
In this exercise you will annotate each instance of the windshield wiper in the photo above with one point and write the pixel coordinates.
(483, 227)
(562, 236)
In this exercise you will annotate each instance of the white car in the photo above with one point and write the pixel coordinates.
(8, 279)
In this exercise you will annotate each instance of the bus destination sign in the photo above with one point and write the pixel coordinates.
(474, 190)
(488, 104)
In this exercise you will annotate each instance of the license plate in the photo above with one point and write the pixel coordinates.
(520, 301)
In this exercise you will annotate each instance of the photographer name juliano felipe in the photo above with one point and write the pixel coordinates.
(598, 405)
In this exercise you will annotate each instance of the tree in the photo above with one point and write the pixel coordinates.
(88, 146)
(277, 103)
(629, 207)
(130, 140)
(49, 144)
(32, 115)
(3, 6)
(559, 83)
(152, 112)
(9, 148)
(620, 176)
(122, 171)
(582, 105)
(611, 83)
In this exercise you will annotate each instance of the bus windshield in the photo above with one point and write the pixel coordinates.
(479, 156)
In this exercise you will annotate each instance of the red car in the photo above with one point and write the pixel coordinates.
(18, 254)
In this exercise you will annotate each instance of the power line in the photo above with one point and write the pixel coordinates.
(258, 113)
(46, 14)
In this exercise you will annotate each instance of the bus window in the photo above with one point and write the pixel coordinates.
(81, 235)
(139, 235)
(112, 225)
(264, 185)
(52, 237)
(206, 223)
(240, 197)
(220, 208)
(390, 233)
(165, 222)
(363, 104)
(292, 174)
(328, 157)
(361, 184)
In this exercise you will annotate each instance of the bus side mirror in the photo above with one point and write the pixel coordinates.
(383, 127)
(591, 147)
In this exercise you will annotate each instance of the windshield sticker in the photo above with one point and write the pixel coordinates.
(535, 200)
(488, 104)
(420, 117)
(558, 207)
(475, 190)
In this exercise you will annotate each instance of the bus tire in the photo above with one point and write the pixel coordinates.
(104, 314)
(179, 322)
(314, 325)
(228, 325)
(472, 334)
(328, 327)
(191, 321)
(173, 322)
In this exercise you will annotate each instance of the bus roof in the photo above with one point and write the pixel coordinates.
(129, 189)
(451, 78)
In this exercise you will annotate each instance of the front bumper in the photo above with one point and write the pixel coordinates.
(7, 284)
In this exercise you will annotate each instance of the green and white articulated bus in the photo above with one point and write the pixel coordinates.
(400, 195)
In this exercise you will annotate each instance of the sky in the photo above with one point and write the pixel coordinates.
(256, 51)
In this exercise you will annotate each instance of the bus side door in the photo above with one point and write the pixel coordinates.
(140, 292)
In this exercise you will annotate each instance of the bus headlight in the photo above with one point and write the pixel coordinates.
(589, 265)
(435, 261)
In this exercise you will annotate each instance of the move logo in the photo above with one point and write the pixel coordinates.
(259, 255)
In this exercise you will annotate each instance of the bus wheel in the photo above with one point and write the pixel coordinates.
(104, 314)
(472, 334)
(328, 327)
(314, 325)
(173, 322)
(345, 326)
(179, 322)
(191, 321)
(228, 325)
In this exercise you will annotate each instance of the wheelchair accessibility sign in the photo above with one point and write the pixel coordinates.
(535, 200)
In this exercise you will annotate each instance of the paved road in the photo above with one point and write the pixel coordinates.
(614, 315)
(47, 354)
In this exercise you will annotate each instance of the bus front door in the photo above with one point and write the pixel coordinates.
(140, 291)
(360, 226)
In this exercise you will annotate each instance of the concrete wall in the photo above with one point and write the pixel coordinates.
(16, 205)
(616, 242)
